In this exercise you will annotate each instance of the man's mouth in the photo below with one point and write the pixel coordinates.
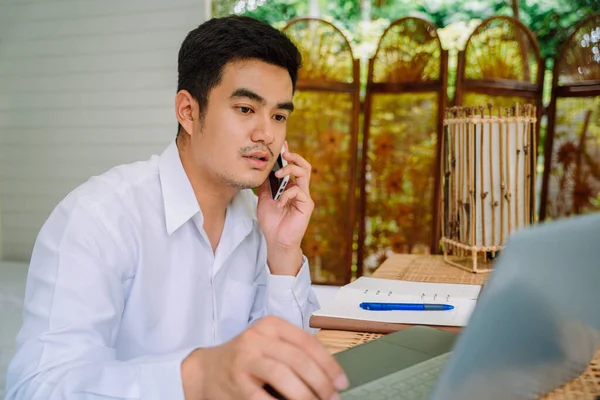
(260, 155)
(257, 158)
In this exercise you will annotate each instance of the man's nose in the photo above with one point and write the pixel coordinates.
(263, 130)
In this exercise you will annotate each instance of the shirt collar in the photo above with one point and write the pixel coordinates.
(180, 201)
(178, 196)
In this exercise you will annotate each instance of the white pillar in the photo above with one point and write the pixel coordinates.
(366, 10)
(314, 10)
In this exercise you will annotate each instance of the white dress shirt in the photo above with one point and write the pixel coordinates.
(123, 284)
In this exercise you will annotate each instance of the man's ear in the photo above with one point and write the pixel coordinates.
(185, 105)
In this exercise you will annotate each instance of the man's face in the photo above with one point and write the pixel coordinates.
(244, 126)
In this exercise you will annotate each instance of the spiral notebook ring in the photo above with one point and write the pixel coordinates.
(423, 295)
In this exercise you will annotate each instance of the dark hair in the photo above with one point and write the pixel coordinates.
(207, 49)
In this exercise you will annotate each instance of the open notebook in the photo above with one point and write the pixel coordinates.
(344, 312)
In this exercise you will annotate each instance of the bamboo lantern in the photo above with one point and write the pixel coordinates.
(488, 169)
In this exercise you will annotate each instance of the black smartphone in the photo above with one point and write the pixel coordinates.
(278, 184)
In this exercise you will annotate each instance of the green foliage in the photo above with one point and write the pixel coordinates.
(439, 12)
(276, 13)
(550, 20)
(342, 10)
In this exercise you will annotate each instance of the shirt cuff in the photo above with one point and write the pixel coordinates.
(287, 289)
(161, 379)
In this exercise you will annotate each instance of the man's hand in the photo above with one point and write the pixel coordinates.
(284, 222)
(272, 351)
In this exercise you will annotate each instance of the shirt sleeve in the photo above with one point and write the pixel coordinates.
(289, 297)
(74, 300)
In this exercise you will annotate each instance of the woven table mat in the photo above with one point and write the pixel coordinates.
(336, 341)
(426, 268)
(586, 386)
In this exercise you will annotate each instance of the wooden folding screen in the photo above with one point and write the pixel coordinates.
(571, 180)
(324, 129)
(501, 65)
(404, 107)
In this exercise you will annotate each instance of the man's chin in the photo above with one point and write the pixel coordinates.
(253, 182)
(249, 181)
(242, 185)
(254, 185)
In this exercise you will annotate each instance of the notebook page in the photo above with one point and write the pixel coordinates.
(346, 303)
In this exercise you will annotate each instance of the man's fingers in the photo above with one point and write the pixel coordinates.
(294, 193)
(277, 328)
(303, 366)
(297, 159)
(281, 378)
(252, 389)
(292, 169)
(288, 194)
(300, 168)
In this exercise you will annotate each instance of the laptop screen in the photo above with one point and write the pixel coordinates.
(537, 323)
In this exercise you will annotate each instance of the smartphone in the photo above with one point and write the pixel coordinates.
(278, 184)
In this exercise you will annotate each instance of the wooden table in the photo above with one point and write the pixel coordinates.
(431, 268)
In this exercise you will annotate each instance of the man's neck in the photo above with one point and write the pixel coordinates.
(212, 196)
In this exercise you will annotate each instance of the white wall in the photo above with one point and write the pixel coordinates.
(84, 85)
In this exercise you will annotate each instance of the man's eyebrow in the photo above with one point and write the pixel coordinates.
(249, 94)
(288, 105)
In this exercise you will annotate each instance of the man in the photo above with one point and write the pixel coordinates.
(144, 281)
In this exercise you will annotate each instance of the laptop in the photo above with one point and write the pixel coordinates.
(535, 327)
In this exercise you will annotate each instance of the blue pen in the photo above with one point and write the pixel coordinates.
(405, 307)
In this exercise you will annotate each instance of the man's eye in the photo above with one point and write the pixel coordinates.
(280, 117)
(245, 110)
